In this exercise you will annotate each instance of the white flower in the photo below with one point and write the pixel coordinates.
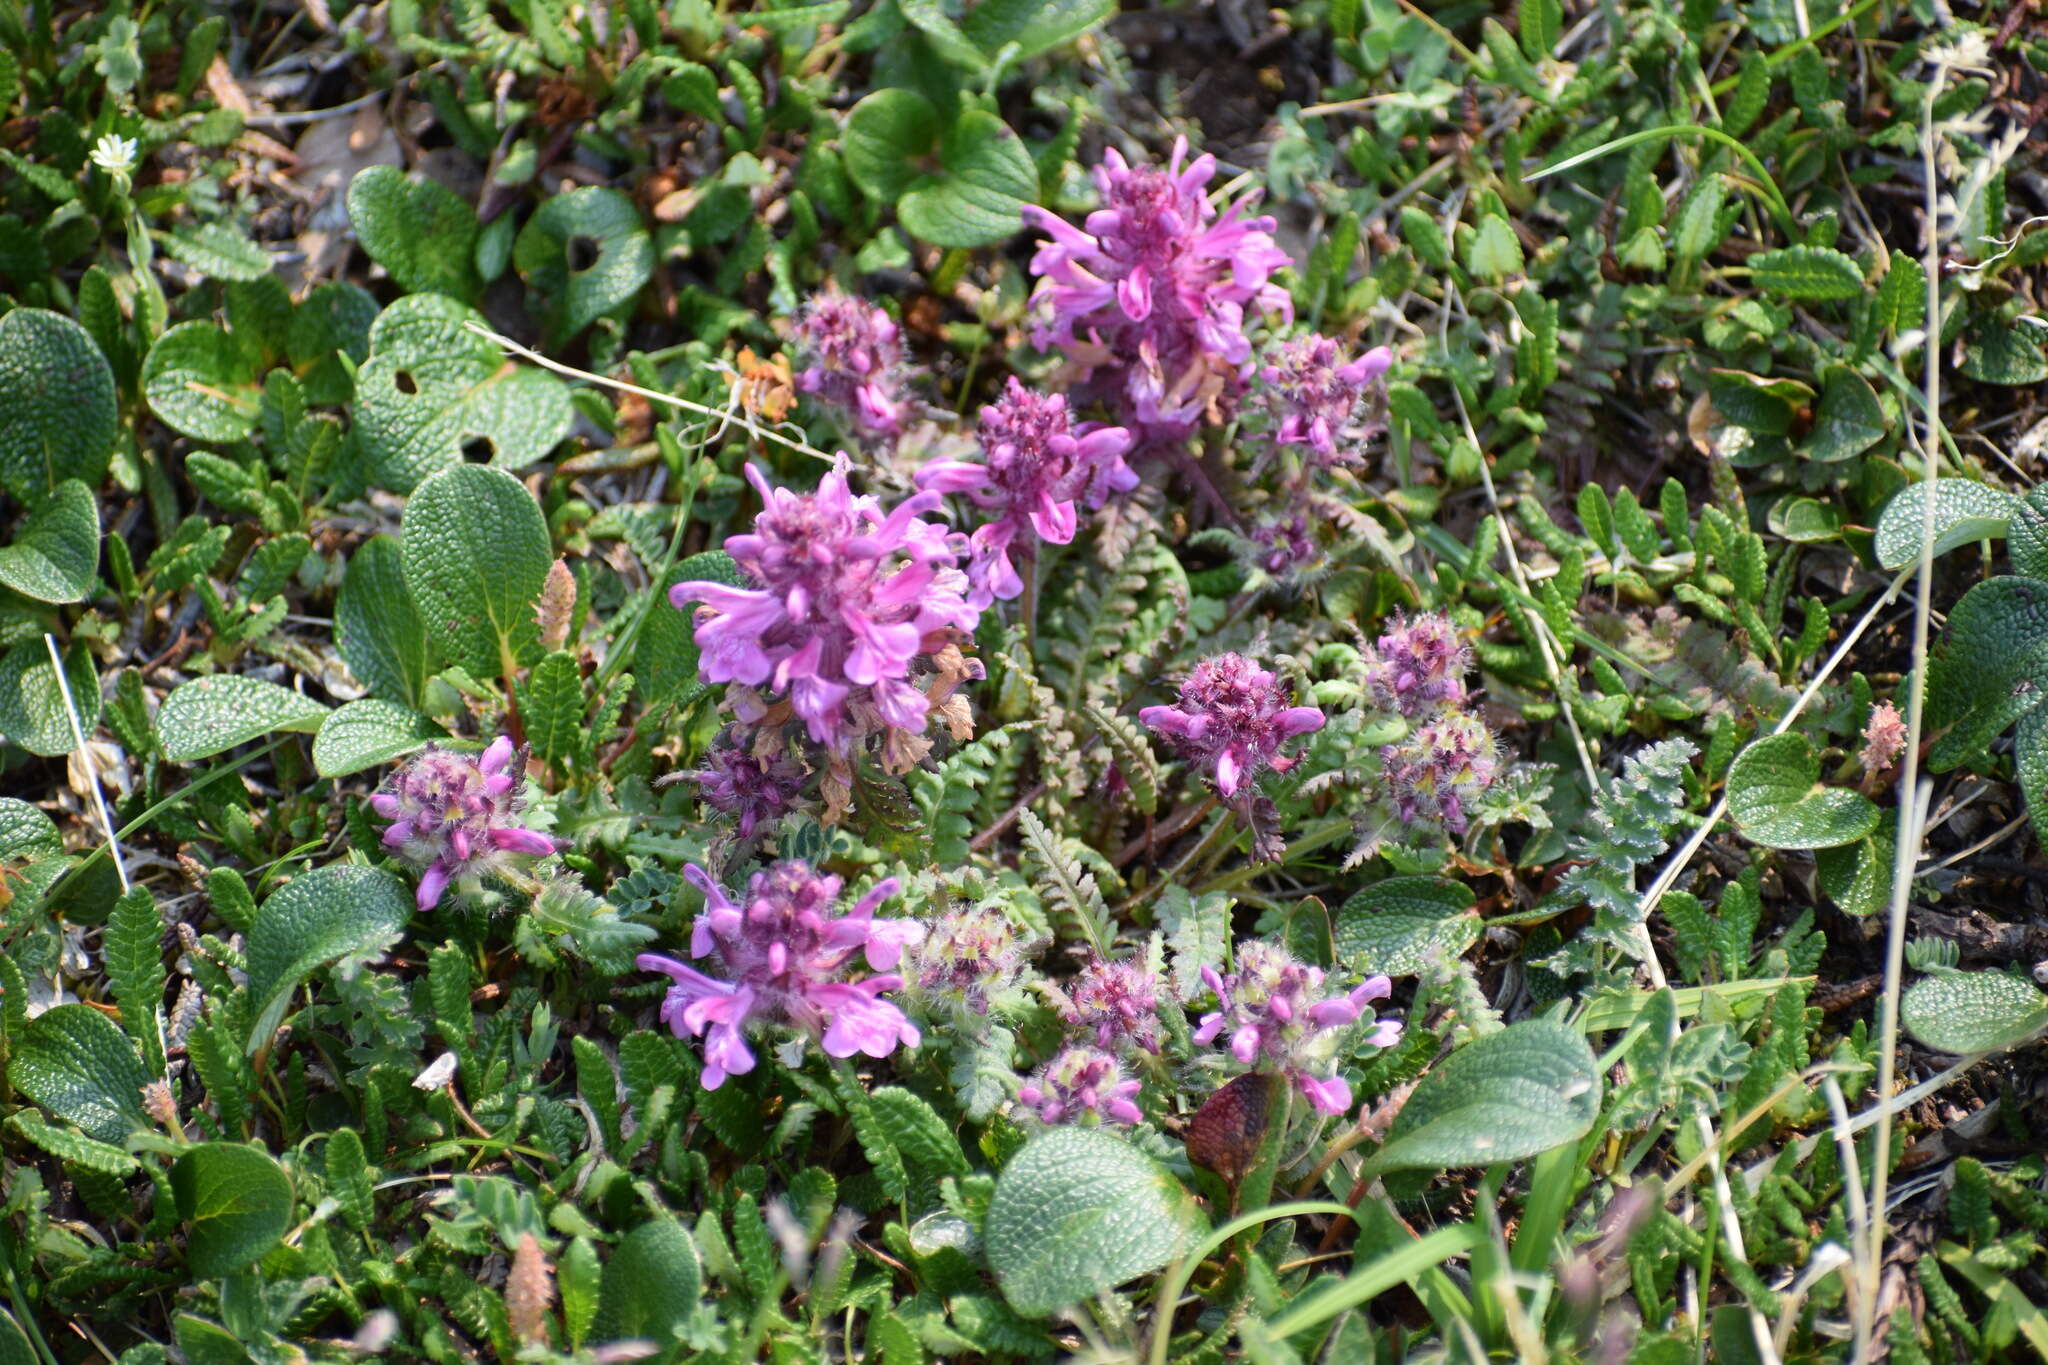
(115, 155)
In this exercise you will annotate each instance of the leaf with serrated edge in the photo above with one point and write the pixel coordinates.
(208, 716)
(57, 551)
(476, 558)
(341, 913)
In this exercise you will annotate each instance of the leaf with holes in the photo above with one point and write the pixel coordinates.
(433, 395)
(57, 551)
(208, 716)
(343, 914)
(1966, 1012)
(1404, 925)
(377, 627)
(236, 1203)
(585, 253)
(76, 1063)
(58, 413)
(1965, 511)
(1989, 669)
(366, 733)
(420, 232)
(476, 558)
(202, 382)
(1509, 1095)
(1078, 1211)
(1849, 421)
(1775, 797)
(32, 710)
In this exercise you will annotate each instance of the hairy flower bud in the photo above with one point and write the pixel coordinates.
(1083, 1085)
(1279, 1017)
(456, 818)
(851, 354)
(1232, 718)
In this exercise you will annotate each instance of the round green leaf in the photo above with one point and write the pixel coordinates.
(985, 182)
(1966, 1012)
(376, 626)
(32, 710)
(652, 1283)
(1858, 877)
(32, 847)
(1509, 1095)
(54, 556)
(433, 395)
(1035, 26)
(476, 558)
(331, 322)
(202, 383)
(1775, 795)
(76, 1063)
(343, 913)
(890, 139)
(1403, 925)
(366, 733)
(420, 232)
(1990, 669)
(57, 408)
(585, 252)
(1849, 421)
(15, 1348)
(2006, 353)
(1965, 511)
(1078, 1211)
(236, 1203)
(208, 716)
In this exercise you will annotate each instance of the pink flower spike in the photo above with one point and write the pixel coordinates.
(1232, 717)
(456, 817)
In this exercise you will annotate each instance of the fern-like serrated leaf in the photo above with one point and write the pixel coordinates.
(1630, 823)
(68, 1144)
(1133, 753)
(134, 958)
(552, 707)
(598, 1087)
(874, 1138)
(948, 794)
(1077, 901)
(928, 1147)
(349, 1178)
(448, 990)
(216, 1054)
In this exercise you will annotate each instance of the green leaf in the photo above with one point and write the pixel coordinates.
(1494, 252)
(987, 180)
(134, 958)
(1805, 520)
(330, 324)
(202, 382)
(928, 1146)
(552, 707)
(476, 559)
(32, 710)
(1775, 797)
(343, 913)
(57, 406)
(1849, 420)
(15, 1347)
(1806, 272)
(886, 137)
(1902, 295)
(1532, 1086)
(2005, 353)
(211, 715)
(31, 846)
(1406, 925)
(2027, 534)
(349, 1177)
(1966, 1012)
(652, 1284)
(585, 252)
(68, 1144)
(665, 661)
(207, 1343)
(931, 19)
(378, 629)
(217, 250)
(423, 234)
(1698, 230)
(1990, 669)
(1965, 511)
(1078, 1211)
(433, 395)
(57, 551)
(236, 1203)
(76, 1063)
(1539, 22)
(1858, 877)
(1035, 26)
(1596, 516)
(366, 733)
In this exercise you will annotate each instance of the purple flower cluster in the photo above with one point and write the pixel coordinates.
(852, 356)
(1148, 295)
(757, 790)
(1082, 1085)
(1314, 398)
(1436, 773)
(847, 597)
(972, 958)
(1419, 666)
(1117, 1001)
(1037, 464)
(1232, 718)
(786, 952)
(1280, 1018)
(456, 818)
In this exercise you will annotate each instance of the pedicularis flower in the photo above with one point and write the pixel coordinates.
(1884, 739)
(1437, 772)
(1083, 1085)
(1314, 397)
(756, 790)
(847, 596)
(457, 818)
(1232, 717)
(1116, 1001)
(1280, 1018)
(1036, 466)
(852, 356)
(786, 953)
(972, 957)
(1148, 295)
(1419, 666)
